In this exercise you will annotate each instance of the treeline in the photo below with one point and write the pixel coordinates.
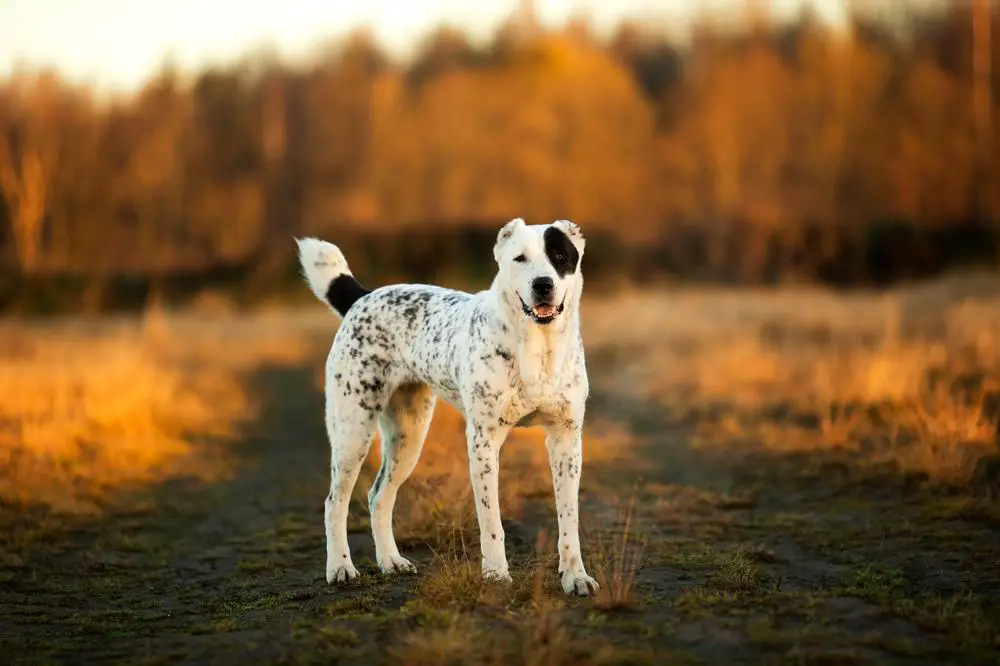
(771, 153)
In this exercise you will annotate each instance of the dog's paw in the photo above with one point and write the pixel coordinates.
(579, 584)
(397, 565)
(342, 574)
(496, 575)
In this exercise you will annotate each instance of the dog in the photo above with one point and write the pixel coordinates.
(508, 356)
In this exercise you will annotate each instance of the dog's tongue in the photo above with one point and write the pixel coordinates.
(544, 310)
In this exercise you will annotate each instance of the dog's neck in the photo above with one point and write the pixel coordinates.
(540, 349)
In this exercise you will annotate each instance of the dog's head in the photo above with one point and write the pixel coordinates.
(540, 267)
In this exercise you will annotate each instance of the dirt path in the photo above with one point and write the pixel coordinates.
(748, 558)
(762, 558)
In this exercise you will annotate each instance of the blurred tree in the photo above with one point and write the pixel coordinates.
(987, 203)
(337, 136)
(223, 162)
(529, 139)
(739, 137)
(152, 184)
(744, 154)
(29, 154)
(656, 65)
(444, 50)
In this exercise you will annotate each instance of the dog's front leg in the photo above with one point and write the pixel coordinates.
(565, 448)
(484, 467)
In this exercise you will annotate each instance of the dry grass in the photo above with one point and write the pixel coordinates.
(92, 405)
(102, 404)
(540, 638)
(453, 579)
(87, 410)
(466, 620)
(616, 561)
(909, 377)
(105, 413)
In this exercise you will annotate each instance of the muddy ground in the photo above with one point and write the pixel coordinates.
(748, 557)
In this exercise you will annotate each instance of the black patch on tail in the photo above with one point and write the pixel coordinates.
(343, 292)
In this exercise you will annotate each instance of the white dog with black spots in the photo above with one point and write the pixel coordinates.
(508, 356)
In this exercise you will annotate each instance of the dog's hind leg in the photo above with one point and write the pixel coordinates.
(350, 427)
(402, 427)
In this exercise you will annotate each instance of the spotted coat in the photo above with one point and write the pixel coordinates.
(507, 356)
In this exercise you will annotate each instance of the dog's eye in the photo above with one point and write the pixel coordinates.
(520, 258)
(560, 256)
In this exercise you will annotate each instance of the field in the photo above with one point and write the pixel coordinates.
(770, 477)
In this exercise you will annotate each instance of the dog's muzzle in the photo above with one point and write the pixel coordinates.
(542, 313)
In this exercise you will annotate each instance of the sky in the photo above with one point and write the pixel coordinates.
(115, 45)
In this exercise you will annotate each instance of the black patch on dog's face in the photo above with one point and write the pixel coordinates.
(561, 252)
(343, 292)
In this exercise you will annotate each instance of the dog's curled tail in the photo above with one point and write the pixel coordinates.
(328, 275)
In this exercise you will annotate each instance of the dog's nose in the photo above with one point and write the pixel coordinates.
(542, 286)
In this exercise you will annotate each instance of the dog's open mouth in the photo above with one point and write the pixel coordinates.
(542, 313)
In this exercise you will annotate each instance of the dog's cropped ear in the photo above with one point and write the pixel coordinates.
(572, 230)
(505, 235)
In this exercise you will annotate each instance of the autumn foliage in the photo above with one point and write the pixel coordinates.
(788, 151)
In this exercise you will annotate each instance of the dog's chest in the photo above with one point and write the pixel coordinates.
(537, 404)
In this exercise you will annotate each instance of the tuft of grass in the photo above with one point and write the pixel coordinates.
(974, 509)
(453, 579)
(960, 616)
(617, 563)
(731, 578)
(452, 582)
(878, 584)
(536, 635)
(362, 604)
(462, 619)
(739, 574)
(335, 636)
(461, 641)
(256, 564)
